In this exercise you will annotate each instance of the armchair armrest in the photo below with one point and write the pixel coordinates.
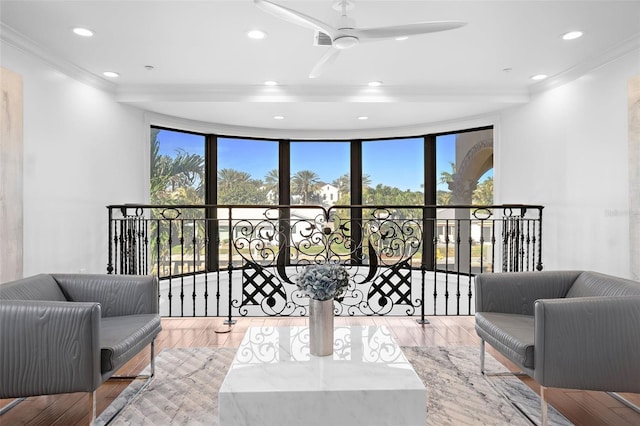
(588, 343)
(119, 295)
(516, 292)
(48, 347)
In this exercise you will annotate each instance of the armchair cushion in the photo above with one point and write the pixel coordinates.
(138, 332)
(509, 333)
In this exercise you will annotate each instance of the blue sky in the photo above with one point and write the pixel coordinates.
(396, 163)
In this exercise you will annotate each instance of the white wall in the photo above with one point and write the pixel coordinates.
(82, 151)
(568, 150)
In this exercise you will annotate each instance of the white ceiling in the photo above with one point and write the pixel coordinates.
(206, 69)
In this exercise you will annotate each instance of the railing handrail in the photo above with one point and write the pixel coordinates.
(310, 206)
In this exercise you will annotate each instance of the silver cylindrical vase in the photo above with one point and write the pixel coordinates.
(321, 327)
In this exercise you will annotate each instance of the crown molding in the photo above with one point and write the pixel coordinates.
(16, 39)
(344, 94)
(630, 45)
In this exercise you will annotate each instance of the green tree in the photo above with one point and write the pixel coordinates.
(483, 194)
(227, 178)
(444, 197)
(175, 180)
(447, 177)
(237, 187)
(304, 183)
(343, 183)
(272, 185)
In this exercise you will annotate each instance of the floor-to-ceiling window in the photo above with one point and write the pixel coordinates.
(247, 174)
(177, 240)
(464, 176)
(393, 171)
(319, 172)
(247, 171)
(320, 175)
(177, 167)
(189, 168)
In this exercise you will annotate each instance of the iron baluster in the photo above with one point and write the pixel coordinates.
(446, 269)
(194, 244)
(230, 320)
(470, 274)
(170, 244)
(109, 242)
(181, 267)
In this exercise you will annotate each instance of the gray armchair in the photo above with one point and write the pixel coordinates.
(64, 333)
(568, 329)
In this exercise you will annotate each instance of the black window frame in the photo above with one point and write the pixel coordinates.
(284, 173)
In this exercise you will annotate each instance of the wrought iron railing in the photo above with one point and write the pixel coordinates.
(230, 260)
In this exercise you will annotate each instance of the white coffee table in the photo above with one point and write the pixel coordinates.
(274, 381)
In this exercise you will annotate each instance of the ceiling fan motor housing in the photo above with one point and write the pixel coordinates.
(345, 42)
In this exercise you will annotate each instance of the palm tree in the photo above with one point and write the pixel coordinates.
(227, 178)
(343, 183)
(366, 181)
(303, 183)
(237, 187)
(169, 174)
(174, 180)
(447, 177)
(443, 198)
(187, 170)
(483, 194)
(272, 184)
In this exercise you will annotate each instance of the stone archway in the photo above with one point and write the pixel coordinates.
(476, 162)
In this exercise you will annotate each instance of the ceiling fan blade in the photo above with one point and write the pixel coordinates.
(369, 34)
(295, 17)
(327, 59)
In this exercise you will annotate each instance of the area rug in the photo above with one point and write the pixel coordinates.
(184, 390)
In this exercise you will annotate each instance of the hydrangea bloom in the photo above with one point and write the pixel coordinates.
(323, 281)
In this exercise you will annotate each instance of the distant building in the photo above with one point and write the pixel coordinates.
(328, 194)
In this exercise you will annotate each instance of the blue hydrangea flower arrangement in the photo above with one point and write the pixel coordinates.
(323, 281)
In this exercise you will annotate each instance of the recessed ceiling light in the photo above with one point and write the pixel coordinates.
(278, 117)
(270, 83)
(84, 32)
(111, 74)
(256, 34)
(374, 83)
(572, 35)
(402, 38)
(539, 77)
(149, 67)
(363, 117)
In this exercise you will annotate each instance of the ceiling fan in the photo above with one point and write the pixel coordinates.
(345, 35)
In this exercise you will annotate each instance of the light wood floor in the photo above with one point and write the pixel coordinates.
(581, 407)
